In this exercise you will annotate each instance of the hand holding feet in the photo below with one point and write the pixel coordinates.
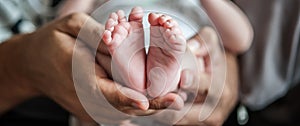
(125, 41)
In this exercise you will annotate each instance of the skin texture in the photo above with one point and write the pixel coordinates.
(241, 38)
(125, 42)
(167, 47)
(15, 76)
(231, 23)
(203, 79)
(40, 64)
(71, 6)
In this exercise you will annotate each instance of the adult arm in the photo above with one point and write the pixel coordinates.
(13, 88)
(231, 23)
(40, 63)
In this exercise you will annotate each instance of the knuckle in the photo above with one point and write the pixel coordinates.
(54, 33)
(75, 20)
(76, 16)
(120, 99)
(156, 104)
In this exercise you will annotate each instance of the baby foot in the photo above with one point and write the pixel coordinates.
(167, 46)
(125, 42)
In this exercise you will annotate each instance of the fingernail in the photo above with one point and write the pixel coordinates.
(145, 105)
(142, 105)
(168, 24)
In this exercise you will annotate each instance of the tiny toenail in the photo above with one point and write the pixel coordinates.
(169, 24)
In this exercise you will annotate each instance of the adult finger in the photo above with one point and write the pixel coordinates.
(120, 96)
(104, 61)
(83, 27)
(193, 82)
(114, 92)
(197, 46)
(170, 100)
(100, 96)
(212, 43)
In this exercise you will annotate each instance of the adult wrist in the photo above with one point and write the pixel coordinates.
(14, 87)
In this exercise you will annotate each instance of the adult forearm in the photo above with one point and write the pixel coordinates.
(231, 23)
(13, 88)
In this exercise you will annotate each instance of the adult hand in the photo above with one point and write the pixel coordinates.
(202, 81)
(40, 63)
(171, 100)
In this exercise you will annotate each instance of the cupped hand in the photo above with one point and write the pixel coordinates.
(196, 112)
(44, 62)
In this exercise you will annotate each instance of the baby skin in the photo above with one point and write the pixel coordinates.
(125, 42)
(167, 46)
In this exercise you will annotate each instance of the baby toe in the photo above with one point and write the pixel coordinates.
(121, 32)
(110, 24)
(170, 23)
(107, 37)
(136, 14)
(163, 19)
(121, 16)
(153, 19)
(126, 25)
(114, 16)
(168, 33)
